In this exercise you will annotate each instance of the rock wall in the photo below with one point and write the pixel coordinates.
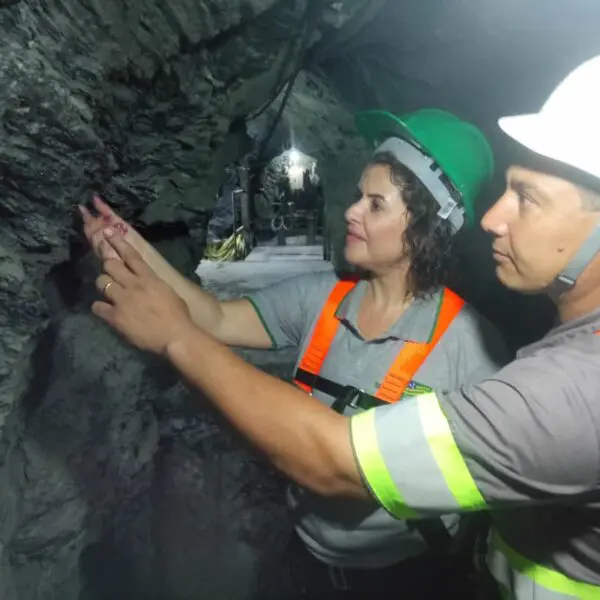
(100, 448)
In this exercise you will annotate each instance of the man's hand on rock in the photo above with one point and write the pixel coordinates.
(139, 305)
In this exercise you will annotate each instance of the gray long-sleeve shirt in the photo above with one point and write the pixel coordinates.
(524, 443)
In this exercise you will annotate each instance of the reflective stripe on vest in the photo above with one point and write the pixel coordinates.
(522, 579)
(432, 478)
(407, 362)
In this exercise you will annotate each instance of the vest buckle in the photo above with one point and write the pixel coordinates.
(349, 397)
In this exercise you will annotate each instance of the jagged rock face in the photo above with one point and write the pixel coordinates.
(141, 102)
(89, 442)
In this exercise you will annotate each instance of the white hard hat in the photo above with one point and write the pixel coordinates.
(567, 128)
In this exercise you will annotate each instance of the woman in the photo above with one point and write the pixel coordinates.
(395, 331)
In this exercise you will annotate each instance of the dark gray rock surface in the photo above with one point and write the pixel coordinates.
(140, 101)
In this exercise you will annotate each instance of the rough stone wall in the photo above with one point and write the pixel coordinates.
(142, 102)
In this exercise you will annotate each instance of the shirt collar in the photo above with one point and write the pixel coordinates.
(558, 335)
(417, 324)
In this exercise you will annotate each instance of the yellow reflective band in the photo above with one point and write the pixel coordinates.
(544, 577)
(447, 455)
(372, 464)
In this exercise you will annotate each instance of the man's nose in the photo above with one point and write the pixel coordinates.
(495, 220)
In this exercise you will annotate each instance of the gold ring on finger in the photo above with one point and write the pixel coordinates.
(110, 282)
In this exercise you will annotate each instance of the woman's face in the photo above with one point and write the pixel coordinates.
(376, 222)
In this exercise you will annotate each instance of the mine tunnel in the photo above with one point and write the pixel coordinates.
(224, 133)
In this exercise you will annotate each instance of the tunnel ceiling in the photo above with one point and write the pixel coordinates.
(478, 57)
(145, 102)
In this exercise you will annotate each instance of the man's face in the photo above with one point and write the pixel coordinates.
(538, 225)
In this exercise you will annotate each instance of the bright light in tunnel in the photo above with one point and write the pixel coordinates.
(294, 156)
(295, 175)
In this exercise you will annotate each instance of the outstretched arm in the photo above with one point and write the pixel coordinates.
(487, 446)
(233, 322)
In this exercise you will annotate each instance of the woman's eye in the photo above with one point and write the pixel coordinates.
(376, 205)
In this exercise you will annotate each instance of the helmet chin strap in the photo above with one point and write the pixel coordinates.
(568, 277)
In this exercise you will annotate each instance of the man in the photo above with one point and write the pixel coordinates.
(523, 444)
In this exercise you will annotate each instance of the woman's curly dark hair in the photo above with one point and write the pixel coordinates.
(428, 240)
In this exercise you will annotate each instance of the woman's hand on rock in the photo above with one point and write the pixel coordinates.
(94, 226)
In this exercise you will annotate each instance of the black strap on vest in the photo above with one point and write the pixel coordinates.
(345, 395)
(432, 530)
(435, 534)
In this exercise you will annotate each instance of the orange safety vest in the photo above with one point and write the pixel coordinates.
(407, 362)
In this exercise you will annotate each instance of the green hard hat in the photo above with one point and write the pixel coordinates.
(459, 148)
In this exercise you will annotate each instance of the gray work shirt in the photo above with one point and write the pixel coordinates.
(523, 444)
(361, 534)
(530, 437)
